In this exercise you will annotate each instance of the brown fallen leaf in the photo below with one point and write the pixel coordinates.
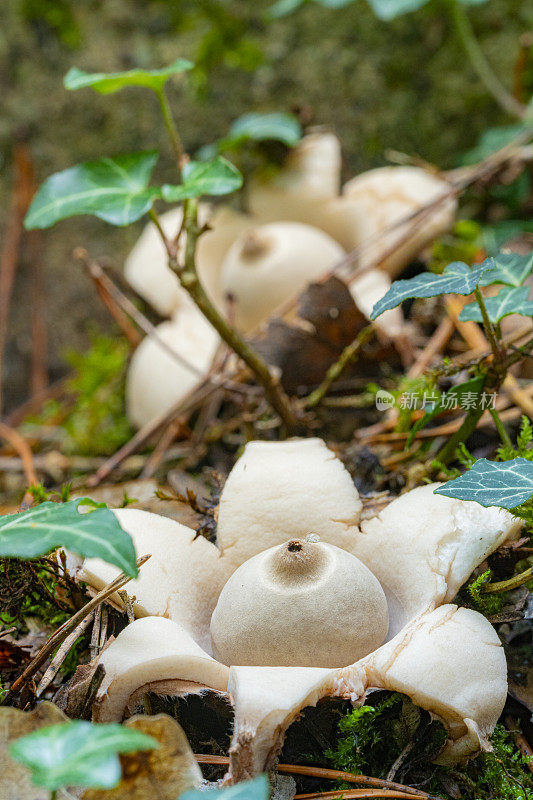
(160, 774)
(15, 780)
(328, 321)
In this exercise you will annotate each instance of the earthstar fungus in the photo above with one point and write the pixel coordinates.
(300, 600)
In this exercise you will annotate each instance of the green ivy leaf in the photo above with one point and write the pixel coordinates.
(491, 140)
(390, 9)
(109, 82)
(509, 268)
(214, 177)
(335, 3)
(113, 189)
(78, 753)
(258, 789)
(510, 300)
(491, 483)
(465, 395)
(255, 127)
(96, 534)
(457, 278)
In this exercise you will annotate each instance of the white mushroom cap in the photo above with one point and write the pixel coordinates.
(268, 264)
(182, 580)
(156, 380)
(386, 195)
(149, 650)
(282, 490)
(366, 290)
(307, 604)
(146, 268)
(422, 549)
(310, 177)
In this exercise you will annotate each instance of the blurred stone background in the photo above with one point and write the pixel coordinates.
(404, 85)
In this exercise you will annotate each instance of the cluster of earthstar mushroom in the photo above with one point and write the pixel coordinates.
(302, 598)
(299, 225)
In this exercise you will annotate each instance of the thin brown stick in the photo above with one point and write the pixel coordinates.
(433, 347)
(170, 434)
(328, 774)
(61, 654)
(21, 446)
(184, 406)
(348, 356)
(358, 794)
(20, 201)
(62, 632)
(188, 276)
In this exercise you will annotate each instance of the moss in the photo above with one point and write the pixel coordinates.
(373, 737)
(486, 603)
(31, 589)
(393, 731)
(96, 424)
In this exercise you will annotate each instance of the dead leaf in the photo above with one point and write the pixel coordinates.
(76, 697)
(15, 780)
(12, 655)
(160, 774)
(328, 321)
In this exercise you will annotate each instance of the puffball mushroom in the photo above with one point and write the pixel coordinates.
(268, 264)
(300, 604)
(146, 268)
(309, 178)
(156, 378)
(376, 200)
(278, 608)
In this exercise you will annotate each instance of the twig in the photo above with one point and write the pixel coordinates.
(488, 327)
(170, 433)
(188, 277)
(94, 647)
(61, 654)
(433, 347)
(348, 355)
(328, 774)
(21, 446)
(20, 201)
(99, 276)
(185, 405)
(61, 633)
(128, 604)
(355, 794)
(510, 583)
(480, 64)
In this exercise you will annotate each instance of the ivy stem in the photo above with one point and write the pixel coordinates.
(348, 355)
(488, 327)
(510, 583)
(175, 138)
(469, 425)
(480, 64)
(188, 276)
(500, 427)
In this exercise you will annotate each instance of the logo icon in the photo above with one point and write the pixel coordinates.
(384, 400)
